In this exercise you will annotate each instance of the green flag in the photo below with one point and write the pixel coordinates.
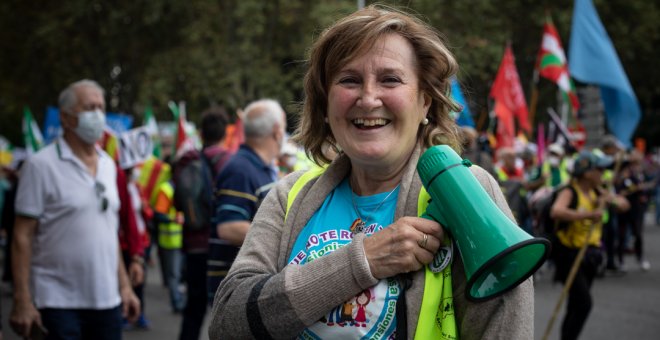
(31, 134)
(150, 122)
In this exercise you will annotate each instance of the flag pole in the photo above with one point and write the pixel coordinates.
(571, 275)
(534, 99)
(569, 283)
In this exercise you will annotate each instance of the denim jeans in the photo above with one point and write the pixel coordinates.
(172, 263)
(78, 324)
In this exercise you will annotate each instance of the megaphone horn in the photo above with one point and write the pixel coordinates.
(497, 254)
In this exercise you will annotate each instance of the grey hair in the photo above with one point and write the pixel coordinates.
(68, 98)
(261, 116)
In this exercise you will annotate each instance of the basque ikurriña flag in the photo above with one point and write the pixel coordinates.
(551, 64)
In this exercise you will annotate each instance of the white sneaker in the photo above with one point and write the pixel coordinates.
(645, 265)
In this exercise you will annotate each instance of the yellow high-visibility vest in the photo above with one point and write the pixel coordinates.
(170, 235)
(436, 317)
(564, 175)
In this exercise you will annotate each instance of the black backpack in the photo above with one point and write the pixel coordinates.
(193, 191)
(541, 208)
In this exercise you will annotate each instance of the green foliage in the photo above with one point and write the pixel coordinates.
(230, 52)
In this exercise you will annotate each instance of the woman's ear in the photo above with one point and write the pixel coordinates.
(426, 104)
(427, 101)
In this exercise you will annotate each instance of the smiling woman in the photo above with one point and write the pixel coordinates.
(375, 106)
(340, 252)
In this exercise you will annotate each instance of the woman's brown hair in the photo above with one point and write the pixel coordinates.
(354, 35)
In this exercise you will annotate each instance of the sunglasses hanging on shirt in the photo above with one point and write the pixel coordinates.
(99, 188)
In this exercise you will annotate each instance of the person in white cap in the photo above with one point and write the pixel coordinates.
(555, 168)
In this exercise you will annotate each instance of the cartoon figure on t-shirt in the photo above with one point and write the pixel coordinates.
(362, 300)
(333, 317)
(340, 315)
(357, 226)
(346, 313)
(370, 314)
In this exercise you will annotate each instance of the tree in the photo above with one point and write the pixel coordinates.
(230, 52)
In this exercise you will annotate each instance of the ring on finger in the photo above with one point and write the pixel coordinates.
(423, 241)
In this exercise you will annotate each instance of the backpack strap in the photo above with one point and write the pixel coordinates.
(206, 170)
(571, 205)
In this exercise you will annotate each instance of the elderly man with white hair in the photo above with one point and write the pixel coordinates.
(243, 183)
(69, 277)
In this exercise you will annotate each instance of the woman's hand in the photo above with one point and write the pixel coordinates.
(402, 246)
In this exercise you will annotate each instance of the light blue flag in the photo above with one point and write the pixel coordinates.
(118, 122)
(593, 59)
(52, 127)
(464, 117)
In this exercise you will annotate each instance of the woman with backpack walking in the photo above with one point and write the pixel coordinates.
(579, 210)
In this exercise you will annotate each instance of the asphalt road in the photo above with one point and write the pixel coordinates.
(626, 307)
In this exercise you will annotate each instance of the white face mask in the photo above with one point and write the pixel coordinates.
(553, 160)
(90, 126)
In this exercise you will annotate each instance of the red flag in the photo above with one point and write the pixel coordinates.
(506, 90)
(183, 142)
(180, 131)
(505, 127)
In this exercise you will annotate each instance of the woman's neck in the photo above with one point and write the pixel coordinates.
(370, 182)
(372, 178)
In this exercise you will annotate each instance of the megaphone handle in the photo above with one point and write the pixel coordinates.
(433, 214)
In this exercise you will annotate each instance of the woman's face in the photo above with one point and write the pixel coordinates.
(375, 106)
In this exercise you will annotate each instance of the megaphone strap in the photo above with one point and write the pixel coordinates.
(466, 162)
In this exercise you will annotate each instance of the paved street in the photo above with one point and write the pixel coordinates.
(626, 307)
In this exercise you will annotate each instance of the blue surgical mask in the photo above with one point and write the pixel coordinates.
(90, 126)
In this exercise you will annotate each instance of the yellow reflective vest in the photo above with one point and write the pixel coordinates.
(436, 318)
(170, 235)
(564, 176)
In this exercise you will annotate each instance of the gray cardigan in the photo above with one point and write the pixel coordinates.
(263, 297)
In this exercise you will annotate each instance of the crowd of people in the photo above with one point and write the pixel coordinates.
(82, 231)
(337, 250)
(594, 198)
(526, 181)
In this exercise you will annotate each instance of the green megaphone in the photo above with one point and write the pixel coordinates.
(497, 254)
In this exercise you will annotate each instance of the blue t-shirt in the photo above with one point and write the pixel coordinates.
(371, 314)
